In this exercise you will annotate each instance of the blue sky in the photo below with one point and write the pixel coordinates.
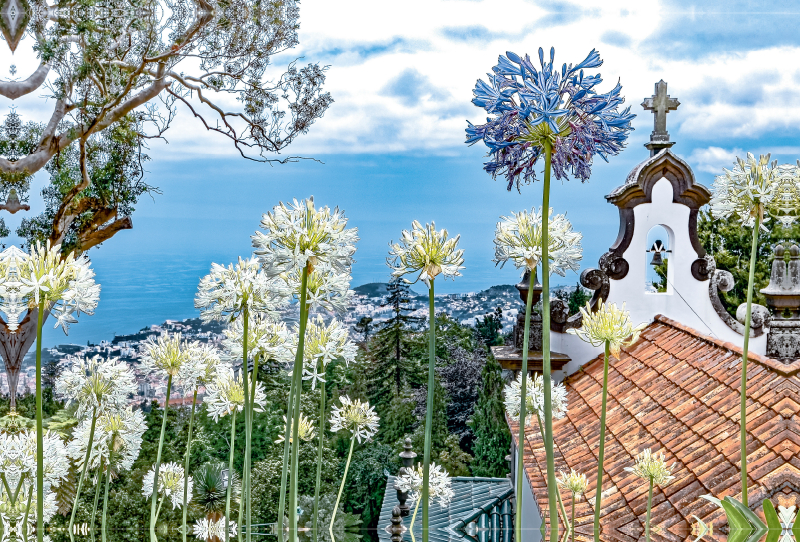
(391, 150)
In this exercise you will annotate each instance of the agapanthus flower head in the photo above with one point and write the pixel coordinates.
(117, 438)
(170, 483)
(610, 324)
(519, 238)
(65, 284)
(534, 398)
(426, 251)
(305, 429)
(18, 459)
(531, 107)
(225, 394)
(574, 482)
(210, 529)
(225, 292)
(439, 483)
(650, 466)
(14, 512)
(323, 344)
(96, 384)
(200, 367)
(355, 416)
(299, 235)
(267, 339)
(166, 355)
(326, 289)
(752, 188)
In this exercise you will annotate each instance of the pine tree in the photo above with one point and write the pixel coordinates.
(390, 346)
(487, 329)
(492, 438)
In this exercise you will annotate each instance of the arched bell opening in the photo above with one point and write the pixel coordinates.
(658, 273)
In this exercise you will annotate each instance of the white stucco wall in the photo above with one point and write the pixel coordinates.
(531, 520)
(686, 300)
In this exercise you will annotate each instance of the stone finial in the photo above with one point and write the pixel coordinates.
(396, 528)
(407, 457)
(660, 104)
(783, 298)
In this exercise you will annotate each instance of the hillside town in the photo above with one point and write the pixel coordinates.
(368, 301)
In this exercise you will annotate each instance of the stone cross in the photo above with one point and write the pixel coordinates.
(660, 104)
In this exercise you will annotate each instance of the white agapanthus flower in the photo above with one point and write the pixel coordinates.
(14, 512)
(326, 289)
(426, 251)
(608, 324)
(323, 344)
(752, 188)
(652, 467)
(66, 285)
(518, 238)
(439, 483)
(267, 339)
(166, 356)
(96, 383)
(120, 432)
(208, 529)
(18, 472)
(354, 416)
(534, 398)
(199, 369)
(300, 235)
(305, 431)
(225, 394)
(170, 483)
(225, 292)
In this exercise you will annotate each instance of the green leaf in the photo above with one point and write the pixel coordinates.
(773, 522)
(748, 514)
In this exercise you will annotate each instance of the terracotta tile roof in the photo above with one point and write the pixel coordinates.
(677, 391)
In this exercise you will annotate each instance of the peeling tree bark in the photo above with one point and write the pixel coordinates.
(14, 346)
(16, 89)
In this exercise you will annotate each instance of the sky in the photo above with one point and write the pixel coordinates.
(391, 147)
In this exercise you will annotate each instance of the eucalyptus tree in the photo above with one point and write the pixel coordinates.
(113, 75)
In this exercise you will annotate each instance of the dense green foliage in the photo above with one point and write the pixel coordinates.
(492, 437)
(729, 243)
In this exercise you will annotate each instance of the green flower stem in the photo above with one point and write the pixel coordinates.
(426, 463)
(298, 386)
(601, 452)
(186, 465)
(27, 513)
(230, 479)
(523, 404)
(413, 518)
(572, 518)
(85, 467)
(153, 511)
(743, 414)
(249, 457)
(105, 498)
(97, 493)
(649, 508)
(244, 499)
(548, 404)
(160, 504)
(319, 449)
(341, 486)
(39, 428)
(285, 465)
(558, 493)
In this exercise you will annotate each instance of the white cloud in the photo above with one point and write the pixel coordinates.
(713, 159)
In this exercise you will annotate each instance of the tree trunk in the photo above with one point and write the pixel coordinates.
(14, 346)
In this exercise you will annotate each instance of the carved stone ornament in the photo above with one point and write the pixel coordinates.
(722, 281)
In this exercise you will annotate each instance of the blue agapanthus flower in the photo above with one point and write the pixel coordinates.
(531, 107)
